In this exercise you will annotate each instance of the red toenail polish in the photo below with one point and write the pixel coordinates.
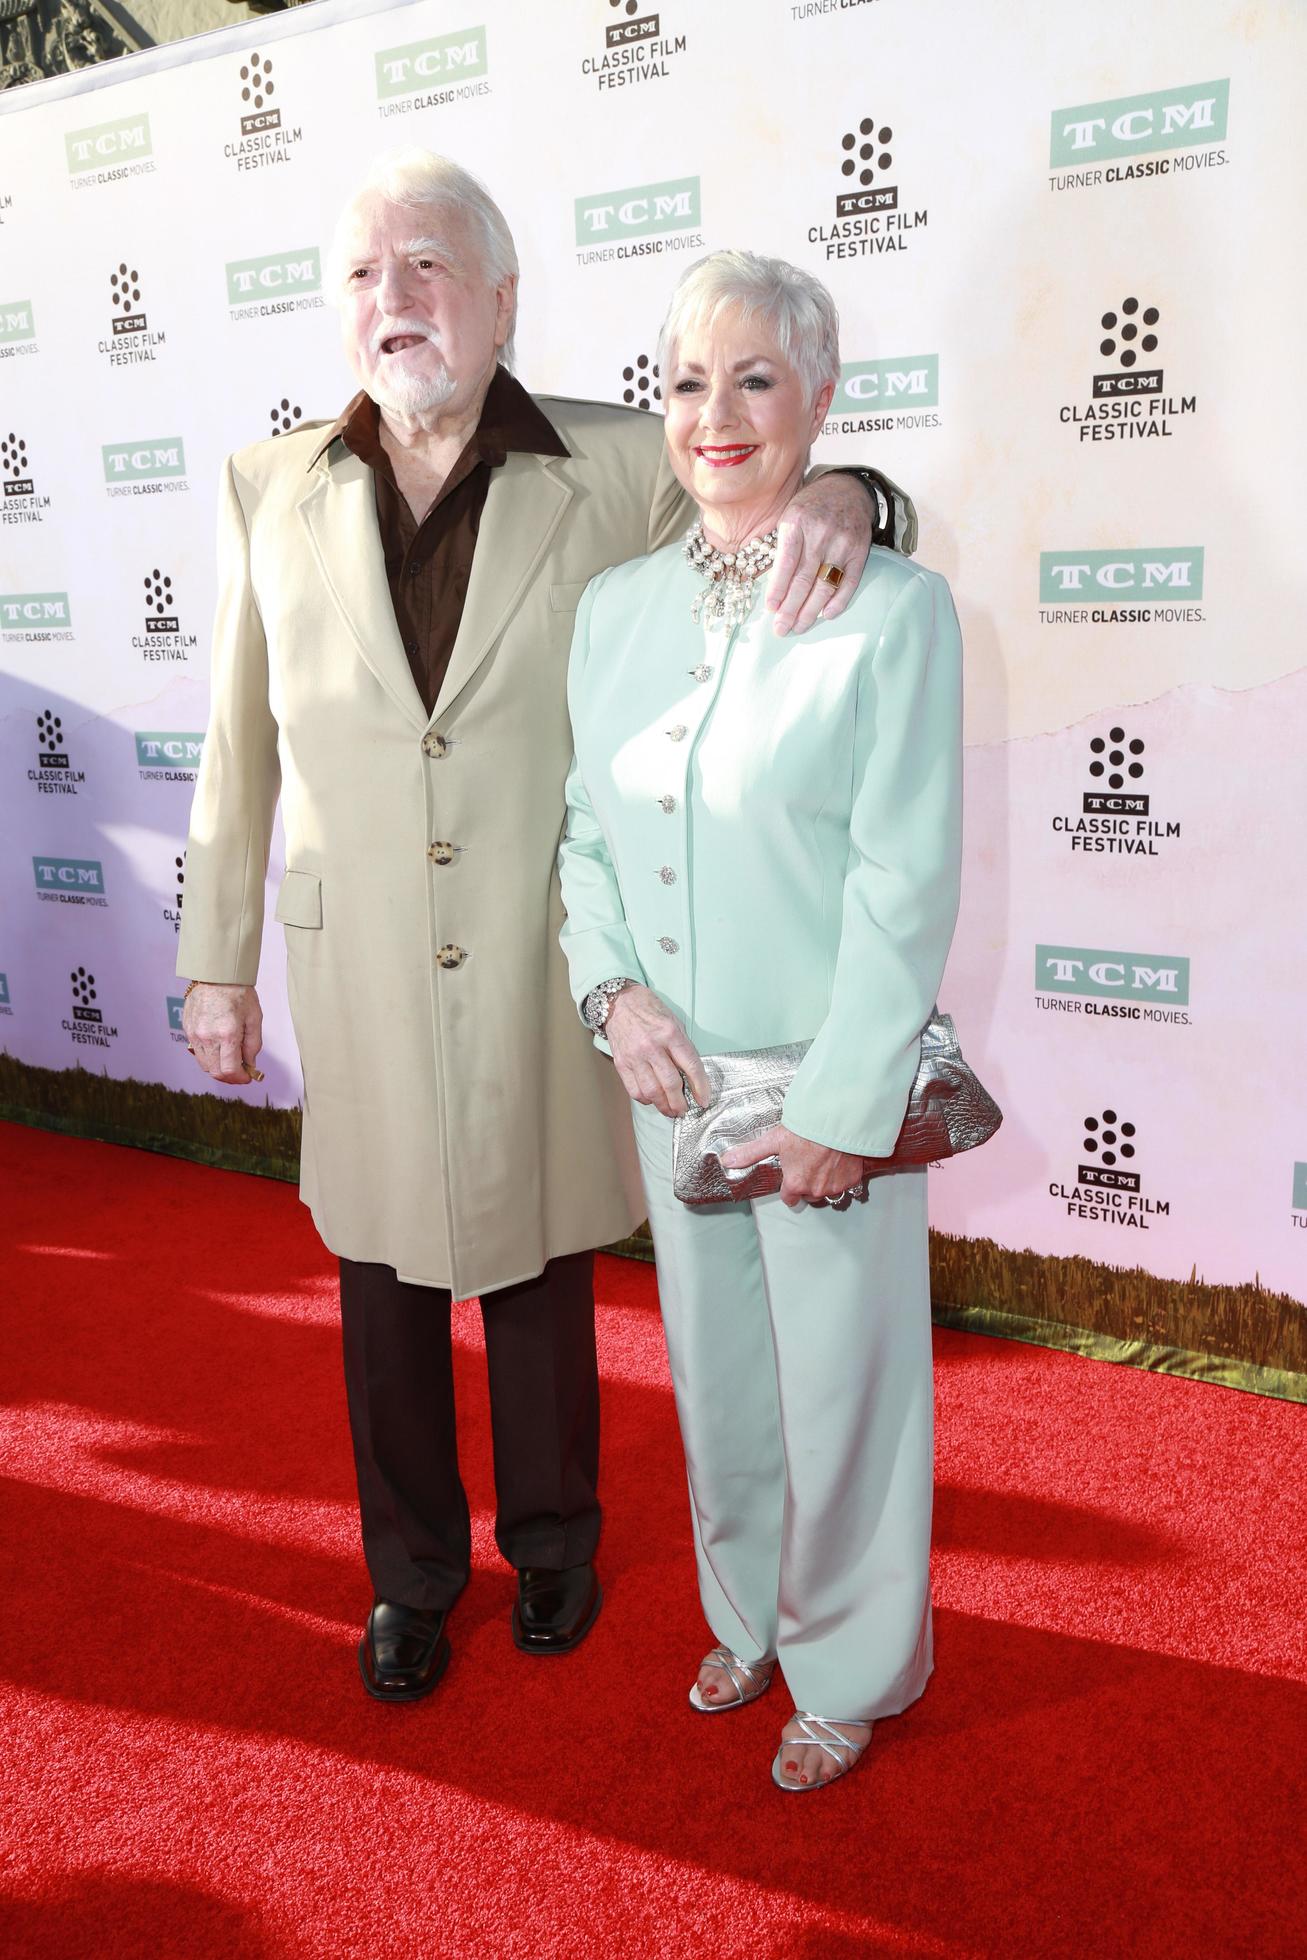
(803, 1779)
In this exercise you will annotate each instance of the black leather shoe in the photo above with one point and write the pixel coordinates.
(555, 1610)
(403, 1652)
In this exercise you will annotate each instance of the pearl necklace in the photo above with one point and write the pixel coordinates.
(731, 575)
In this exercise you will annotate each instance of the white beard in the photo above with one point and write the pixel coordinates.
(413, 394)
(408, 393)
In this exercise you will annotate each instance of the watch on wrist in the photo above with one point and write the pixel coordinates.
(598, 1003)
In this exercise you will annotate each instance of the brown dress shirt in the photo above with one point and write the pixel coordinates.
(428, 564)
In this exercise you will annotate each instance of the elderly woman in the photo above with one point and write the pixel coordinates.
(762, 846)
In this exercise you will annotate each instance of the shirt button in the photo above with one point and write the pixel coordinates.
(701, 673)
(667, 875)
(676, 734)
(669, 945)
(667, 804)
(441, 853)
(410, 648)
(413, 569)
(450, 956)
(435, 746)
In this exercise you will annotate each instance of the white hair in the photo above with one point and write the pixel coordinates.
(795, 307)
(419, 180)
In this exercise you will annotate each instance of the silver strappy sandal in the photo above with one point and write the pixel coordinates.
(749, 1679)
(845, 1753)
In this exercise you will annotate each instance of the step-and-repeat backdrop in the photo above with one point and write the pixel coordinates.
(1062, 241)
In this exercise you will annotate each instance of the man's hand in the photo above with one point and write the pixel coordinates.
(810, 1173)
(224, 1028)
(828, 522)
(652, 1052)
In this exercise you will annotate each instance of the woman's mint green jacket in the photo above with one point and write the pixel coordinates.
(767, 831)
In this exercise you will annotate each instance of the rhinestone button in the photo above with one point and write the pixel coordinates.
(667, 804)
(667, 875)
(701, 673)
(435, 746)
(441, 853)
(676, 734)
(669, 945)
(450, 956)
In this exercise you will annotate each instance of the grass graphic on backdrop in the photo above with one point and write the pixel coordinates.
(229, 1133)
(974, 1282)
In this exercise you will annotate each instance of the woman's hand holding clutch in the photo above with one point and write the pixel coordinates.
(810, 1173)
(652, 1051)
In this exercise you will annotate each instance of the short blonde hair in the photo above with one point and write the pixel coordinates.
(797, 309)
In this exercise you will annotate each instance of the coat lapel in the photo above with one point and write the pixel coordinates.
(524, 507)
(339, 509)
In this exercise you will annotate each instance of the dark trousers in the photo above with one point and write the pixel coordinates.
(544, 1415)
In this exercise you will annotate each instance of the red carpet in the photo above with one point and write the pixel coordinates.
(1108, 1761)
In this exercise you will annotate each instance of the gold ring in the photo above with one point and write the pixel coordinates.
(830, 575)
(254, 1074)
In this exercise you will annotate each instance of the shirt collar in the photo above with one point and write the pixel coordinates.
(510, 422)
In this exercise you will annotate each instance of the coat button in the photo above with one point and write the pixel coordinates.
(669, 945)
(676, 734)
(667, 875)
(441, 853)
(450, 956)
(435, 746)
(667, 804)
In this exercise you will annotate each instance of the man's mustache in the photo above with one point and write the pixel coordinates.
(389, 329)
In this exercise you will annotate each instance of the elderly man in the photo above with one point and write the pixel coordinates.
(396, 605)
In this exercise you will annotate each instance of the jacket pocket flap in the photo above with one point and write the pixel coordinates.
(299, 902)
(566, 598)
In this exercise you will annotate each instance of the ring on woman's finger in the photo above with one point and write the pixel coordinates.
(831, 575)
(843, 1202)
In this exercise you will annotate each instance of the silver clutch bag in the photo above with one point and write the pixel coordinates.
(948, 1111)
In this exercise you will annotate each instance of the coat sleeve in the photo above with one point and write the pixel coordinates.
(239, 777)
(595, 936)
(902, 884)
(671, 509)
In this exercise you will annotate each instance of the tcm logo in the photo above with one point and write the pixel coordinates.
(16, 321)
(111, 142)
(1110, 1142)
(175, 1003)
(1167, 119)
(1122, 338)
(1299, 1170)
(1174, 569)
(638, 211)
(279, 274)
(162, 750)
(15, 466)
(20, 610)
(909, 382)
(864, 155)
(125, 293)
(4, 990)
(133, 462)
(449, 57)
(69, 875)
(1097, 975)
(643, 27)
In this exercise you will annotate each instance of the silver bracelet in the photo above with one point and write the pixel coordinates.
(598, 1003)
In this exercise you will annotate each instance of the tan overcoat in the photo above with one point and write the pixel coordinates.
(458, 1123)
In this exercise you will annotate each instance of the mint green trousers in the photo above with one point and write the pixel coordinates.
(800, 1352)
